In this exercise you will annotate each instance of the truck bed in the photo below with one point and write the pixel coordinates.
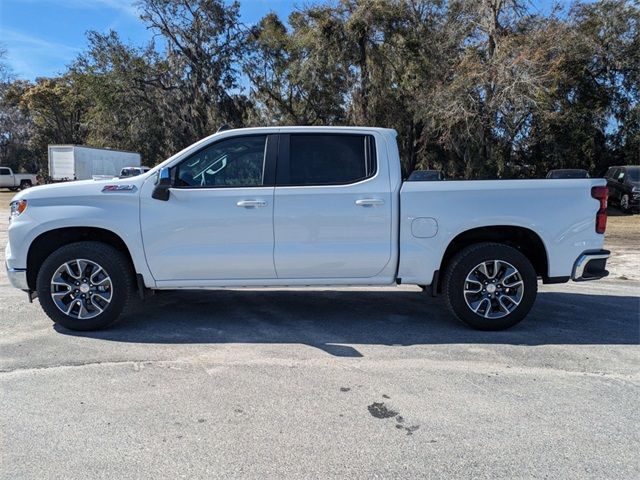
(560, 212)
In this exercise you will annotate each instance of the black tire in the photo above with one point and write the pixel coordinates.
(111, 260)
(24, 184)
(465, 262)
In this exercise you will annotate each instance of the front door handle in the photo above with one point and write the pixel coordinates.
(369, 202)
(251, 203)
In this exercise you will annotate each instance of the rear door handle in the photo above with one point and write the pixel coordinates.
(369, 202)
(251, 203)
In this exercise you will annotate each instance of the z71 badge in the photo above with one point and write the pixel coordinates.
(119, 188)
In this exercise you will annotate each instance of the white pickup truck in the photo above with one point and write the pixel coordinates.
(16, 181)
(302, 206)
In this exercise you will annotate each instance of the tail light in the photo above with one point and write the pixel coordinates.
(601, 194)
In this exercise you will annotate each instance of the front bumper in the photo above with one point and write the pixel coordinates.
(590, 265)
(18, 278)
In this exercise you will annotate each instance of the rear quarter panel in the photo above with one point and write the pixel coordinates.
(561, 212)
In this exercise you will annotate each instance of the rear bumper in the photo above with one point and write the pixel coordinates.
(590, 265)
(18, 278)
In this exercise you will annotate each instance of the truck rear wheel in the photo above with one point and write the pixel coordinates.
(85, 285)
(490, 286)
(25, 184)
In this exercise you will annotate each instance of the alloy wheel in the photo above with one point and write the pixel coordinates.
(493, 289)
(81, 289)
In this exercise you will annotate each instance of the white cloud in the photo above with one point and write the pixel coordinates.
(124, 6)
(30, 56)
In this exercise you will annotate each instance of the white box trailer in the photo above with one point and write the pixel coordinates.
(77, 162)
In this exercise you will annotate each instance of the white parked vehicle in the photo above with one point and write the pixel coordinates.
(16, 181)
(302, 206)
(133, 171)
(77, 162)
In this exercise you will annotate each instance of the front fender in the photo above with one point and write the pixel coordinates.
(118, 213)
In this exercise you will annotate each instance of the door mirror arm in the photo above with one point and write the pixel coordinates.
(163, 184)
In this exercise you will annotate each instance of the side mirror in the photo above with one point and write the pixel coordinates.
(163, 183)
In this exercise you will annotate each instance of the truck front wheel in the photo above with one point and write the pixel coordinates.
(85, 285)
(490, 286)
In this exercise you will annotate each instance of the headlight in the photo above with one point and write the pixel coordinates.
(17, 208)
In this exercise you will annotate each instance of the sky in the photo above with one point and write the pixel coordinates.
(42, 37)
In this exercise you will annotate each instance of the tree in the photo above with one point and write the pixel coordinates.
(15, 127)
(33, 115)
(204, 44)
(131, 98)
(298, 77)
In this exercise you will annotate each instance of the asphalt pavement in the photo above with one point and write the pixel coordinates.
(330, 383)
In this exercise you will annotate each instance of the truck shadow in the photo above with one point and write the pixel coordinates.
(332, 320)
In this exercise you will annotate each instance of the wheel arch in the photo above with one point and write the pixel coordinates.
(48, 242)
(523, 239)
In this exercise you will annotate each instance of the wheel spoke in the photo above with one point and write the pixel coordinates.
(70, 307)
(475, 306)
(513, 284)
(515, 301)
(83, 308)
(482, 268)
(97, 307)
(67, 268)
(474, 282)
(508, 272)
(94, 273)
(100, 282)
(502, 305)
(61, 282)
(105, 296)
(496, 268)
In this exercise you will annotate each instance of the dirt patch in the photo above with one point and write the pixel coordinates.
(623, 239)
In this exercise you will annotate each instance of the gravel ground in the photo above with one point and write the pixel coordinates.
(332, 383)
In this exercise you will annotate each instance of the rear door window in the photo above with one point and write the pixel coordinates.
(325, 159)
